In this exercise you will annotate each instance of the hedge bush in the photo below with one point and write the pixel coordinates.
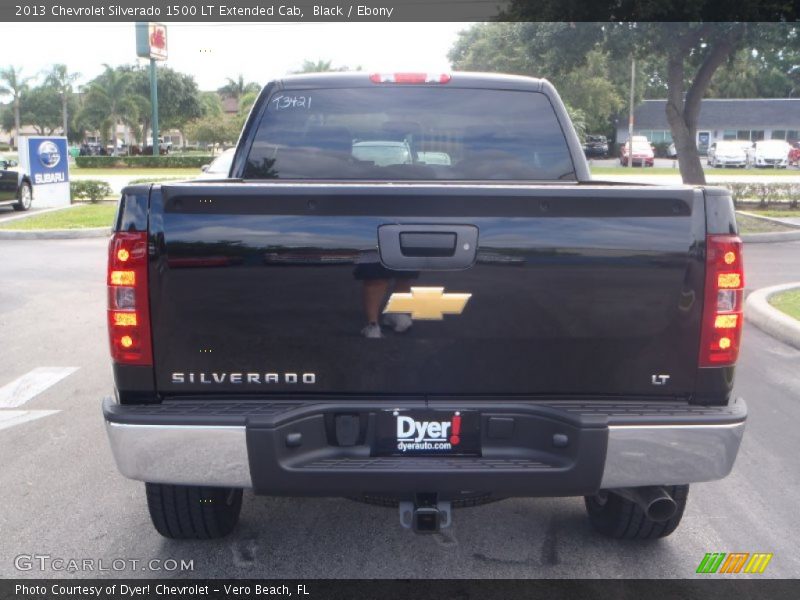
(764, 193)
(143, 162)
(93, 190)
(661, 149)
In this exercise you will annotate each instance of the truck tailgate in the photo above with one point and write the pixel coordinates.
(574, 289)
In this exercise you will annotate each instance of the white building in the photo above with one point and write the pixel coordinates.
(721, 119)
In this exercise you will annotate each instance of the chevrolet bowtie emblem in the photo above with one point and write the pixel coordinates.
(429, 303)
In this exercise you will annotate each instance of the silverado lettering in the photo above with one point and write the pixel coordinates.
(484, 321)
(237, 378)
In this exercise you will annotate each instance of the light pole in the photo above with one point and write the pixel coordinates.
(630, 114)
(151, 42)
(154, 104)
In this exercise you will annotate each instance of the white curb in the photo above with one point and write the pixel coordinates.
(769, 319)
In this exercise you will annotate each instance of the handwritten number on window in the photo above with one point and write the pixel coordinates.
(287, 102)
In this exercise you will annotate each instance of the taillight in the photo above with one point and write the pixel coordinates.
(128, 308)
(409, 78)
(722, 312)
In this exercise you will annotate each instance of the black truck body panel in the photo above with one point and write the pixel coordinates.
(576, 289)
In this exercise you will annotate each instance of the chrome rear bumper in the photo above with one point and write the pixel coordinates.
(670, 454)
(636, 454)
(181, 454)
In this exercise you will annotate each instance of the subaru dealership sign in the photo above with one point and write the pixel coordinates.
(46, 161)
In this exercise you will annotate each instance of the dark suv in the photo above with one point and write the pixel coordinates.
(596, 146)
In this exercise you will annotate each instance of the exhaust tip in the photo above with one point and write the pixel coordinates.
(655, 501)
(661, 509)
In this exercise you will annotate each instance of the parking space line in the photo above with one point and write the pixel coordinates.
(10, 418)
(24, 388)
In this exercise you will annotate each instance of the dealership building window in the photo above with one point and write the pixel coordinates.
(790, 135)
(753, 135)
(656, 136)
(750, 119)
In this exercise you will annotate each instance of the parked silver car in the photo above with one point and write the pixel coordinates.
(727, 153)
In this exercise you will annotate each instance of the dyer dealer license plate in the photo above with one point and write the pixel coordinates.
(428, 432)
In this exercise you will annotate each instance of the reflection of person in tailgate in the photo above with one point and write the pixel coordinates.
(376, 280)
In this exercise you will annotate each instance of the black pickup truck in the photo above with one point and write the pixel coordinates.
(410, 292)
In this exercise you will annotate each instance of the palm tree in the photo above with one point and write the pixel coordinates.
(320, 66)
(236, 88)
(110, 100)
(62, 80)
(13, 84)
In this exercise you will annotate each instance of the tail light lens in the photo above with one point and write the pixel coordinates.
(722, 312)
(409, 78)
(128, 307)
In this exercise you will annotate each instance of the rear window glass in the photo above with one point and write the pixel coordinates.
(413, 133)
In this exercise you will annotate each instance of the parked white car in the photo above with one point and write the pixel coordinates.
(728, 153)
(770, 153)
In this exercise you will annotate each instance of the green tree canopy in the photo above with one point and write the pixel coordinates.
(109, 100)
(42, 109)
(589, 63)
(178, 98)
(211, 104)
(213, 129)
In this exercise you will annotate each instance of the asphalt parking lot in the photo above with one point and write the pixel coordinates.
(62, 496)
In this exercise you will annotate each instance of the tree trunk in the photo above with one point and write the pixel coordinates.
(16, 123)
(64, 115)
(683, 133)
(683, 112)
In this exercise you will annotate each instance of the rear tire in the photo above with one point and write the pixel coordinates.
(620, 518)
(25, 197)
(183, 512)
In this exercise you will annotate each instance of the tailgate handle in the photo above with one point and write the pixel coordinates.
(421, 247)
(427, 243)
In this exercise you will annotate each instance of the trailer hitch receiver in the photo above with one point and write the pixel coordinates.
(426, 514)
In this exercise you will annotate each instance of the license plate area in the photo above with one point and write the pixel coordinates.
(422, 432)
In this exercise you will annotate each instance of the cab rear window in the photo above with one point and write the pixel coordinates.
(409, 133)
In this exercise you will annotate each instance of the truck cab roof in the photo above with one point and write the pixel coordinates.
(457, 79)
